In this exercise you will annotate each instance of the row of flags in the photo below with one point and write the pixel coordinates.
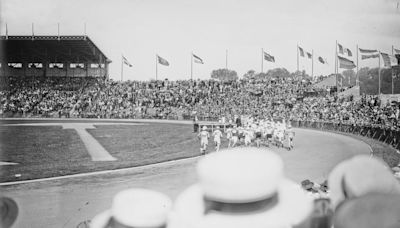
(163, 61)
(303, 53)
(345, 63)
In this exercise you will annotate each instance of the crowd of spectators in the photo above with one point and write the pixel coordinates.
(288, 98)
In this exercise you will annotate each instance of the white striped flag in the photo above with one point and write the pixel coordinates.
(269, 57)
(389, 60)
(197, 59)
(369, 56)
(367, 51)
(346, 63)
(125, 61)
(393, 60)
(162, 61)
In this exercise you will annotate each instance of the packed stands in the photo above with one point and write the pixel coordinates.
(278, 98)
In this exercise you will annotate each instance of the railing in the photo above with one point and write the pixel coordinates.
(381, 133)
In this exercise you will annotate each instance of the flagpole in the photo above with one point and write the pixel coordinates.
(122, 67)
(392, 71)
(262, 60)
(191, 66)
(379, 74)
(156, 66)
(226, 59)
(357, 78)
(336, 63)
(6, 32)
(297, 57)
(312, 63)
(33, 32)
(58, 31)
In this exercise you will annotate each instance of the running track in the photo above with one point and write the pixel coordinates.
(68, 201)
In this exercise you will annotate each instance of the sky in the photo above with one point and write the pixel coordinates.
(173, 29)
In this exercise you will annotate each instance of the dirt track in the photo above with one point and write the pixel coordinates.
(66, 202)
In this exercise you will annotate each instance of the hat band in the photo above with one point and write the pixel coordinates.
(113, 223)
(240, 208)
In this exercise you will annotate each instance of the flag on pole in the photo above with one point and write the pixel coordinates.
(386, 59)
(269, 57)
(346, 63)
(389, 60)
(369, 56)
(301, 51)
(393, 60)
(126, 61)
(367, 51)
(162, 61)
(197, 59)
(348, 52)
(322, 60)
(309, 55)
(340, 48)
(344, 50)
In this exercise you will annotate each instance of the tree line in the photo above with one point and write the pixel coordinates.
(369, 83)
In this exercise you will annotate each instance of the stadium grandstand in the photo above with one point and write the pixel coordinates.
(51, 56)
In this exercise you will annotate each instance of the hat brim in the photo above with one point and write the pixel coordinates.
(10, 214)
(293, 207)
(101, 220)
(372, 210)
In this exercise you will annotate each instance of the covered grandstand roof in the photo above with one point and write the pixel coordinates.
(50, 48)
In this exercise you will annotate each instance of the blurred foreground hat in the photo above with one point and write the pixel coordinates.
(135, 208)
(241, 187)
(359, 176)
(369, 211)
(8, 212)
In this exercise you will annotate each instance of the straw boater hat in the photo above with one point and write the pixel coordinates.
(369, 211)
(135, 208)
(359, 176)
(8, 212)
(204, 127)
(241, 187)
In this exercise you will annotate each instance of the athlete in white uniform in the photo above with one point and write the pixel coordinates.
(229, 136)
(235, 136)
(290, 134)
(217, 138)
(247, 136)
(204, 135)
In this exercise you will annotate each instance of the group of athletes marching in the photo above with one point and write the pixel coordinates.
(260, 133)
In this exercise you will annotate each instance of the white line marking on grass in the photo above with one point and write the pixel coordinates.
(7, 163)
(101, 172)
(96, 151)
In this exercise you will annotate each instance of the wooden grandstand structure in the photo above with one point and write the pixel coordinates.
(51, 56)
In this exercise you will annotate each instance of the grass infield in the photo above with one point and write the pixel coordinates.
(48, 151)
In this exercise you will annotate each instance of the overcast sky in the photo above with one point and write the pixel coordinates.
(174, 28)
